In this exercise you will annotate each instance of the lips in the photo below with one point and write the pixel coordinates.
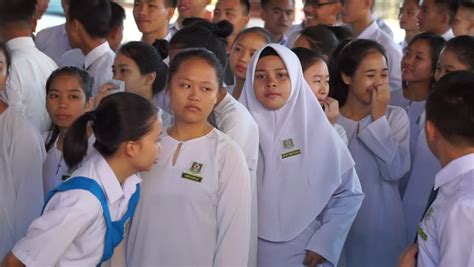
(192, 108)
(240, 68)
(62, 116)
(272, 95)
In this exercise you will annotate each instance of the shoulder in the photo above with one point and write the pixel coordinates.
(20, 127)
(51, 32)
(226, 147)
(395, 112)
(233, 114)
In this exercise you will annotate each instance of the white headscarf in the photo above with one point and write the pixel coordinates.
(294, 190)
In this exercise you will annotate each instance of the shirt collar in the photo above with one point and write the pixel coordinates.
(284, 40)
(454, 169)
(369, 31)
(448, 34)
(110, 183)
(20, 43)
(96, 53)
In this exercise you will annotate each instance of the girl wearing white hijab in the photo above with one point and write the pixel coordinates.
(305, 205)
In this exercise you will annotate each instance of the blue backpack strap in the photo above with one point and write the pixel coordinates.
(84, 183)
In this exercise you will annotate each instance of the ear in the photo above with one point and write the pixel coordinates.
(169, 13)
(246, 20)
(150, 78)
(113, 33)
(132, 148)
(346, 78)
(89, 104)
(431, 131)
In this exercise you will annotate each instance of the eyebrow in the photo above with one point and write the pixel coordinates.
(69, 90)
(271, 70)
(372, 70)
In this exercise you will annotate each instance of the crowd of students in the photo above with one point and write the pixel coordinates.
(207, 143)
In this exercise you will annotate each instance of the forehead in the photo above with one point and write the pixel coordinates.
(270, 62)
(283, 4)
(427, 3)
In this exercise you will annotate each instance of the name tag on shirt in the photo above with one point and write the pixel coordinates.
(194, 173)
(289, 145)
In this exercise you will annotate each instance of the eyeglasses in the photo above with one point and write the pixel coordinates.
(317, 4)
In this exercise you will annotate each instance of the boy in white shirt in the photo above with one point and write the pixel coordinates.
(446, 235)
(87, 27)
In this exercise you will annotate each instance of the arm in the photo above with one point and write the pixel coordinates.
(233, 210)
(336, 218)
(390, 143)
(11, 261)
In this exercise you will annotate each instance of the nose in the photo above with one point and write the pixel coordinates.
(193, 94)
(270, 83)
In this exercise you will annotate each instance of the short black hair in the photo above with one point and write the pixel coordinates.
(467, 4)
(321, 39)
(171, 3)
(94, 15)
(264, 3)
(450, 5)
(450, 107)
(17, 10)
(117, 15)
(246, 6)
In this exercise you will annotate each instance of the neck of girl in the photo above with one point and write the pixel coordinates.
(239, 85)
(183, 131)
(417, 91)
(122, 171)
(354, 109)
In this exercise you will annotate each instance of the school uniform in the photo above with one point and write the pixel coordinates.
(392, 50)
(446, 235)
(381, 151)
(25, 85)
(98, 64)
(53, 42)
(297, 205)
(232, 118)
(21, 159)
(414, 110)
(55, 170)
(73, 57)
(448, 35)
(197, 211)
(72, 225)
(420, 184)
(341, 132)
(293, 34)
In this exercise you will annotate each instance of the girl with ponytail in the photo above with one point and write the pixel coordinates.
(87, 216)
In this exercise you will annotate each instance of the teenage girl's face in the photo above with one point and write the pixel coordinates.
(317, 76)
(416, 62)
(242, 51)
(150, 147)
(371, 73)
(193, 91)
(3, 70)
(407, 15)
(126, 70)
(66, 100)
(272, 83)
(448, 62)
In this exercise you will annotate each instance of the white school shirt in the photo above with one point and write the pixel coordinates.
(420, 184)
(293, 34)
(414, 110)
(25, 87)
(21, 160)
(99, 63)
(53, 42)
(182, 222)
(392, 50)
(232, 118)
(448, 35)
(71, 230)
(54, 166)
(380, 149)
(73, 57)
(446, 236)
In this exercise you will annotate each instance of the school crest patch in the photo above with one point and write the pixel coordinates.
(194, 172)
(288, 144)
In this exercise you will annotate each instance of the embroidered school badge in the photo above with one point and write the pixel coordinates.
(287, 145)
(194, 173)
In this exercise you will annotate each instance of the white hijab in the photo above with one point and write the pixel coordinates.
(294, 190)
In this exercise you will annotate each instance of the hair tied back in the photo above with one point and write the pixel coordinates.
(162, 47)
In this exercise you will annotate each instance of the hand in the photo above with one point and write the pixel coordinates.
(380, 98)
(312, 259)
(408, 257)
(104, 91)
(331, 108)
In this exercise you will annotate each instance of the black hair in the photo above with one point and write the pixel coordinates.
(307, 57)
(119, 117)
(349, 55)
(436, 43)
(246, 6)
(86, 83)
(200, 53)
(149, 58)
(94, 15)
(117, 15)
(448, 5)
(199, 32)
(342, 32)
(17, 10)
(8, 57)
(264, 3)
(450, 107)
(469, 4)
(170, 3)
(321, 39)
(463, 47)
(264, 33)
(268, 51)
